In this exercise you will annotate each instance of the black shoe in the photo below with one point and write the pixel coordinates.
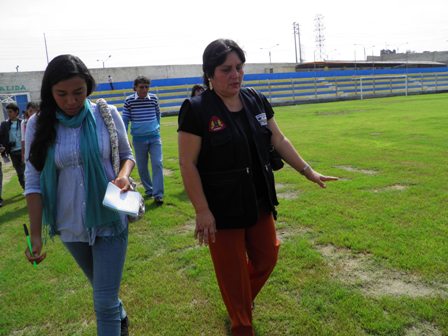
(1, 202)
(125, 327)
(158, 200)
(147, 197)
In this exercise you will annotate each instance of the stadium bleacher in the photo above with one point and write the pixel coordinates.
(296, 87)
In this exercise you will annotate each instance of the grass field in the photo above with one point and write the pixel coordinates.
(366, 256)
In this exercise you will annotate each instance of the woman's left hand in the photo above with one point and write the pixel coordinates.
(123, 183)
(318, 178)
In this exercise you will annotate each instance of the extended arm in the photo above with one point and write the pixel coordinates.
(293, 158)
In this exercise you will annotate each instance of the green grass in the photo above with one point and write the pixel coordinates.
(169, 287)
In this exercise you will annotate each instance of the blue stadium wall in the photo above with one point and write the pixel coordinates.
(298, 87)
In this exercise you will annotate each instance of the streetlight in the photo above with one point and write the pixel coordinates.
(270, 48)
(363, 46)
(373, 69)
(104, 60)
(402, 44)
(373, 60)
(315, 75)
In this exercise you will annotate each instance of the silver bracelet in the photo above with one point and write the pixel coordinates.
(304, 169)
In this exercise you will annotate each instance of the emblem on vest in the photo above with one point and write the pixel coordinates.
(215, 124)
(262, 119)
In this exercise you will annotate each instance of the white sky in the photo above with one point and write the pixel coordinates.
(163, 32)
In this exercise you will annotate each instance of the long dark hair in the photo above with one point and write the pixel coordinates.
(216, 53)
(61, 68)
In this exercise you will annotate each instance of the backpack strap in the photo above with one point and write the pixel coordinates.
(110, 125)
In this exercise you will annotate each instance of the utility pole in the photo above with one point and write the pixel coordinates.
(269, 51)
(46, 49)
(296, 29)
(104, 60)
(300, 45)
(319, 30)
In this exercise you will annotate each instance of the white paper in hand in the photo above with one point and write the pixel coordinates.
(127, 202)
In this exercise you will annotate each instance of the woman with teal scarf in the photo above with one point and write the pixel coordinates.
(68, 167)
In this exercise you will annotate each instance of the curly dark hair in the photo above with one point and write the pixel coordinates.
(61, 68)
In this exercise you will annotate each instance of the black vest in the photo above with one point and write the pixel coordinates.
(224, 161)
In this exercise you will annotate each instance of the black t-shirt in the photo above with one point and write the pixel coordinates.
(190, 122)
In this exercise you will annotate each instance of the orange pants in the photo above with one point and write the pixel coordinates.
(243, 260)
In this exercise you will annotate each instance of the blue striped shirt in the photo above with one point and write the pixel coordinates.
(143, 114)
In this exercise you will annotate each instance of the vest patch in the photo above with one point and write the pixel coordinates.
(262, 119)
(215, 124)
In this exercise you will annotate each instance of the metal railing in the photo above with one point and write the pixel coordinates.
(305, 87)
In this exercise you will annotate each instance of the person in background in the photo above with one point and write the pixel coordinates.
(111, 83)
(224, 138)
(11, 139)
(142, 110)
(31, 109)
(68, 168)
(196, 90)
(4, 157)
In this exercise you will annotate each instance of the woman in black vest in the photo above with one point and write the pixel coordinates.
(224, 140)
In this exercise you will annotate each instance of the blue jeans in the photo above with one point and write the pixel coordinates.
(1, 178)
(102, 263)
(153, 147)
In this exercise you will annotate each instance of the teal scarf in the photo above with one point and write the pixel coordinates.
(95, 179)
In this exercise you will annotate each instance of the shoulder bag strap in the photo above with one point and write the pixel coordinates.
(110, 125)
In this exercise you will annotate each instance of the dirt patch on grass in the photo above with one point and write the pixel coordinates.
(423, 329)
(187, 228)
(8, 171)
(286, 232)
(167, 172)
(288, 195)
(358, 170)
(395, 187)
(360, 270)
(285, 191)
(280, 186)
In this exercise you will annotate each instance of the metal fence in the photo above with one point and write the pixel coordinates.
(302, 87)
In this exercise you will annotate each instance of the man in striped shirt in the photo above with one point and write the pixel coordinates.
(142, 110)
